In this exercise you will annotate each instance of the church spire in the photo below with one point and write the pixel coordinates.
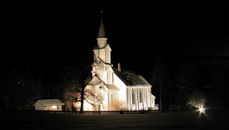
(101, 27)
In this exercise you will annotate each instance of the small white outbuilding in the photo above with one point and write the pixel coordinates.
(48, 105)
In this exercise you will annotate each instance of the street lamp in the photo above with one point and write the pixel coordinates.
(201, 110)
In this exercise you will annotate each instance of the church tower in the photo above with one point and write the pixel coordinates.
(110, 89)
(102, 66)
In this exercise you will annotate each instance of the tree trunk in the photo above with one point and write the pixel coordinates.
(82, 101)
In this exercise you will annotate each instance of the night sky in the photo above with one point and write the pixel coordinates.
(49, 37)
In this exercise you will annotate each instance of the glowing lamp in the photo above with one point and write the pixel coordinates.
(201, 110)
(54, 107)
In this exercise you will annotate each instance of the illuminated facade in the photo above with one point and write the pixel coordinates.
(110, 89)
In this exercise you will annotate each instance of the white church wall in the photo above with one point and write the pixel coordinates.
(122, 90)
(153, 101)
(109, 75)
(104, 76)
(87, 106)
(94, 92)
(101, 42)
(149, 102)
(105, 101)
(139, 97)
(100, 71)
(102, 54)
(113, 99)
(96, 54)
(108, 54)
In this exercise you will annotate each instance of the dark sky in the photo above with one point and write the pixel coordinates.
(48, 37)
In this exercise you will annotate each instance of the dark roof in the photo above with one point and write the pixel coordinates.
(130, 78)
(103, 61)
(101, 29)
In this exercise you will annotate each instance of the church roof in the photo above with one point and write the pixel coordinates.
(101, 29)
(109, 86)
(98, 58)
(130, 78)
(96, 47)
(112, 86)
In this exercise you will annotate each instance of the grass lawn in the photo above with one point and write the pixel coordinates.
(172, 120)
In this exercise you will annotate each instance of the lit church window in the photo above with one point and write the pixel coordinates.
(140, 97)
(133, 98)
(111, 99)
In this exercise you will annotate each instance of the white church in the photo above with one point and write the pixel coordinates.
(111, 89)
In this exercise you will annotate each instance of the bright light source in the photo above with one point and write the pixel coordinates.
(54, 107)
(201, 110)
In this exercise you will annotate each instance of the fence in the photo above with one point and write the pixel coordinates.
(85, 112)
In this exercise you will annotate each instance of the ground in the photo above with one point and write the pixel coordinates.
(168, 120)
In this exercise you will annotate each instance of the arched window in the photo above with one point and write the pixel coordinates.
(111, 98)
(133, 98)
(141, 97)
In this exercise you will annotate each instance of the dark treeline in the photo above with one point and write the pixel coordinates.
(173, 83)
(22, 85)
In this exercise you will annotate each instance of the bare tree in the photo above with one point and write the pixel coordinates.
(71, 94)
(82, 95)
(93, 99)
(74, 80)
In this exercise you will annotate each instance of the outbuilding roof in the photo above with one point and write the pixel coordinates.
(49, 102)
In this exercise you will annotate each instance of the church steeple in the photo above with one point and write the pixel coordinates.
(101, 27)
(102, 40)
(102, 56)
